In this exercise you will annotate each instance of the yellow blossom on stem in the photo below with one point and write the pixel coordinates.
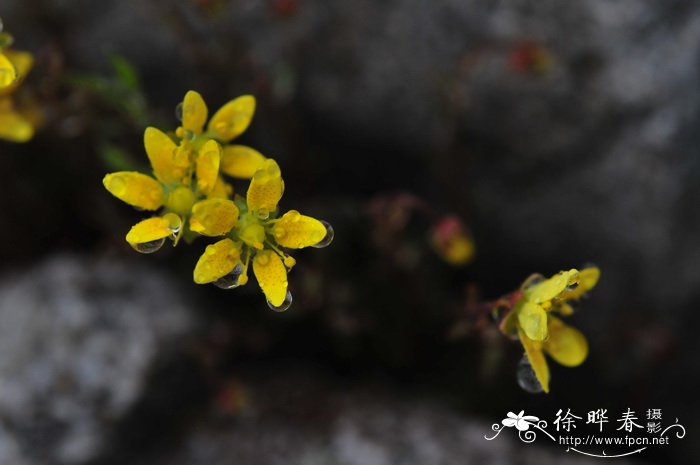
(185, 180)
(261, 236)
(532, 318)
(192, 199)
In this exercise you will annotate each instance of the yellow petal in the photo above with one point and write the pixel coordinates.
(241, 162)
(221, 190)
(213, 217)
(552, 287)
(218, 260)
(587, 279)
(153, 229)
(208, 166)
(566, 345)
(169, 164)
(232, 119)
(533, 351)
(8, 73)
(135, 189)
(14, 127)
(296, 231)
(194, 112)
(21, 62)
(266, 188)
(533, 320)
(271, 275)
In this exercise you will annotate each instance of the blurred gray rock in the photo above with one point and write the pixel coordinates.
(78, 339)
(289, 419)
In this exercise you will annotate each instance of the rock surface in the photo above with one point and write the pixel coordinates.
(292, 420)
(79, 339)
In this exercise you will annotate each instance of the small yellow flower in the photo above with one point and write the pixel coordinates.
(230, 121)
(192, 199)
(15, 123)
(185, 182)
(553, 294)
(532, 319)
(452, 241)
(259, 235)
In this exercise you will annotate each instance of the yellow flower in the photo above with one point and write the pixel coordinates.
(553, 294)
(230, 121)
(192, 199)
(539, 330)
(15, 123)
(452, 241)
(257, 235)
(172, 189)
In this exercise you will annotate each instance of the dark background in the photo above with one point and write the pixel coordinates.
(589, 157)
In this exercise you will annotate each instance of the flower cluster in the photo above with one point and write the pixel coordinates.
(192, 199)
(15, 124)
(532, 318)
